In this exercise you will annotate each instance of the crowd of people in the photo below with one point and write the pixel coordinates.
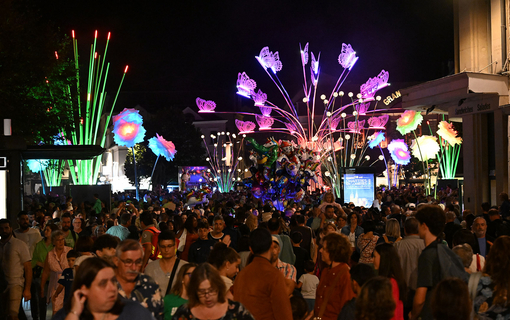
(408, 256)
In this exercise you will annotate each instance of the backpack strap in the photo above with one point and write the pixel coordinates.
(172, 276)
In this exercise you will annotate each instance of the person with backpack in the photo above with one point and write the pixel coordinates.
(149, 239)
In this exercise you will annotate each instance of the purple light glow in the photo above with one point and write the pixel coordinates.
(205, 105)
(347, 57)
(334, 123)
(265, 123)
(259, 98)
(245, 126)
(304, 55)
(378, 122)
(270, 60)
(369, 89)
(245, 85)
(356, 127)
(362, 108)
(266, 112)
(292, 128)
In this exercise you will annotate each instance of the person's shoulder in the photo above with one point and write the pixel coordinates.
(152, 266)
(239, 309)
(134, 310)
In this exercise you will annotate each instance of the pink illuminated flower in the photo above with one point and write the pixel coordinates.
(265, 123)
(448, 133)
(399, 151)
(425, 148)
(205, 105)
(409, 121)
(162, 147)
(127, 128)
(245, 126)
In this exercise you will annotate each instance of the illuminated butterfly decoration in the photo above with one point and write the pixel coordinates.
(378, 122)
(245, 126)
(304, 54)
(356, 126)
(245, 85)
(265, 123)
(362, 108)
(369, 88)
(205, 105)
(270, 60)
(259, 98)
(347, 57)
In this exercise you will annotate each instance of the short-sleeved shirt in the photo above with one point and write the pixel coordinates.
(13, 254)
(147, 293)
(66, 279)
(310, 283)
(429, 275)
(69, 240)
(155, 272)
(31, 238)
(172, 303)
(119, 231)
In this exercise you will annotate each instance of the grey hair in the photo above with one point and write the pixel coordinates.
(465, 252)
(128, 245)
(55, 234)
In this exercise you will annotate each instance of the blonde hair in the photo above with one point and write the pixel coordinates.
(252, 222)
(392, 228)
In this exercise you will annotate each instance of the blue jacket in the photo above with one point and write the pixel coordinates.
(357, 232)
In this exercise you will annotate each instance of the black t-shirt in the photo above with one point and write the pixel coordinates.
(301, 256)
(429, 275)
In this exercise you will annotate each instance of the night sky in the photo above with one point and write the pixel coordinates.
(199, 46)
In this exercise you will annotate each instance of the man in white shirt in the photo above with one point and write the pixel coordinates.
(26, 234)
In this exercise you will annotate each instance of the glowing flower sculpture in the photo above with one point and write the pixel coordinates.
(128, 129)
(377, 138)
(428, 148)
(409, 121)
(448, 133)
(162, 147)
(399, 152)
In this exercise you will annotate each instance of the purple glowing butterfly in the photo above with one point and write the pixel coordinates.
(245, 85)
(347, 57)
(304, 55)
(205, 105)
(334, 123)
(265, 123)
(369, 89)
(356, 126)
(362, 108)
(378, 122)
(270, 60)
(259, 98)
(266, 111)
(245, 126)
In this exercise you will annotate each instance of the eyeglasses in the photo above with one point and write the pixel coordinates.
(129, 263)
(210, 292)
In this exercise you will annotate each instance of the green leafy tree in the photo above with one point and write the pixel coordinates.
(34, 76)
(173, 126)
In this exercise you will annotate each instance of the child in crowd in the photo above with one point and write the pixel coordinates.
(308, 283)
(65, 282)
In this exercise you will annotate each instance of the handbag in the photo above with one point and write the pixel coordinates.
(328, 295)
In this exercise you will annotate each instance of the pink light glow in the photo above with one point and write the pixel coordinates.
(266, 112)
(369, 89)
(126, 69)
(291, 127)
(245, 126)
(378, 122)
(304, 55)
(347, 57)
(245, 85)
(109, 35)
(205, 105)
(362, 108)
(269, 60)
(356, 126)
(334, 123)
(265, 123)
(259, 98)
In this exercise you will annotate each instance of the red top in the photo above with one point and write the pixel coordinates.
(341, 294)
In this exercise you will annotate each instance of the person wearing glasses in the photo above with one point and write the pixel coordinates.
(207, 300)
(165, 269)
(95, 296)
(178, 294)
(132, 284)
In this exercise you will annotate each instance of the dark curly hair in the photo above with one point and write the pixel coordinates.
(450, 300)
(338, 247)
(375, 300)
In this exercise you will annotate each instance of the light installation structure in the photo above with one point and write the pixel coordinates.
(351, 122)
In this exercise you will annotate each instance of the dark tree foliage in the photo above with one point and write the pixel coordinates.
(173, 126)
(34, 84)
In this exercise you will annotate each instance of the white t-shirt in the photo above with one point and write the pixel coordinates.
(310, 283)
(31, 237)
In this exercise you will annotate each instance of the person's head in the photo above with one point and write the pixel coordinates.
(23, 221)
(99, 231)
(58, 239)
(166, 244)
(296, 237)
(125, 219)
(105, 247)
(299, 308)
(393, 228)
(463, 236)
(450, 216)
(219, 224)
(71, 257)
(329, 197)
(182, 279)
(77, 223)
(341, 221)
(387, 262)
(273, 225)
(330, 228)
(206, 287)
(5, 229)
(431, 219)
(450, 300)
(360, 274)
(479, 227)
(260, 241)
(251, 222)
(352, 218)
(497, 266)
(336, 248)
(145, 219)
(411, 226)
(309, 266)
(84, 244)
(128, 259)
(203, 230)
(97, 282)
(65, 222)
(465, 252)
(225, 259)
(503, 196)
(329, 212)
(48, 229)
(375, 300)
